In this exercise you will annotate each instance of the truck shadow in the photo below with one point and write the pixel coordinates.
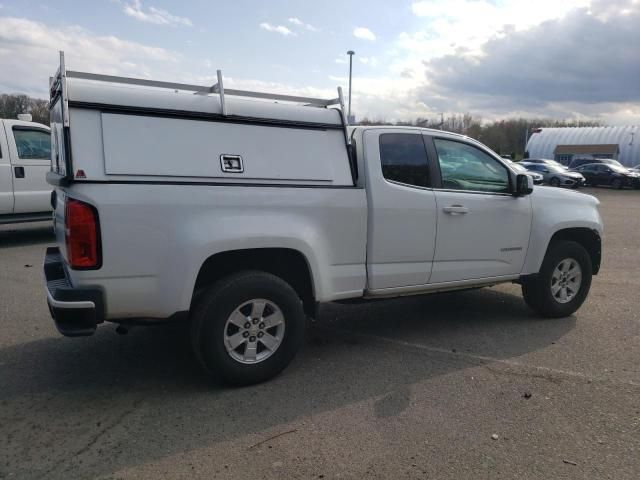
(75, 397)
(26, 234)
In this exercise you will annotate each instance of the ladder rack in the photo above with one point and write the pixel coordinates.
(58, 84)
(205, 90)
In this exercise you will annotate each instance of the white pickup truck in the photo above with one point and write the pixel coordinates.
(241, 215)
(25, 159)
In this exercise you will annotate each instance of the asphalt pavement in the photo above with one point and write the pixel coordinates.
(465, 385)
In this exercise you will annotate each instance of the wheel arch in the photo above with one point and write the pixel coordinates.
(286, 263)
(588, 238)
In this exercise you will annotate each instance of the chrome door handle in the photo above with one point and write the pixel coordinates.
(456, 210)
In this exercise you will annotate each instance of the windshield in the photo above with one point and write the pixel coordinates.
(618, 168)
(555, 168)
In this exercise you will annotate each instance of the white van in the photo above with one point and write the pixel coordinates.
(25, 159)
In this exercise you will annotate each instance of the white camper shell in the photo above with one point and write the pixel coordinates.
(162, 130)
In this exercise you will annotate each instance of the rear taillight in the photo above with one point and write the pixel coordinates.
(82, 235)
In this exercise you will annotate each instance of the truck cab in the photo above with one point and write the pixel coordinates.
(25, 159)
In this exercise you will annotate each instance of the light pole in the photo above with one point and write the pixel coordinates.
(351, 53)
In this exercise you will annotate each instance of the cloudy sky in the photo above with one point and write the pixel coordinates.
(492, 58)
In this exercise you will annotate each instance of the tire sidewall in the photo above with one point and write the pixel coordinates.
(221, 301)
(554, 182)
(557, 252)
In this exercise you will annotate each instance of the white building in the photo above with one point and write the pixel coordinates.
(564, 144)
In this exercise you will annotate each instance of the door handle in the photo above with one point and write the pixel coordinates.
(19, 172)
(456, 210)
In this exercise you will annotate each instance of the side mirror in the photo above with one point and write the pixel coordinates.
(524, 185)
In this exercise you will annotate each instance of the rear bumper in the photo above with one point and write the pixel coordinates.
(75, 311)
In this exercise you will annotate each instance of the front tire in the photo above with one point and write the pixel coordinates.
(554, 182)
(616, 183)
(247, 327)
(563, 283)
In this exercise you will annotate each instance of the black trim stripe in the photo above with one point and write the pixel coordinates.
(210, 184)
(210, 117)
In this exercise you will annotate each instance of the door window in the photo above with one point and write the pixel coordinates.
(404, 159)
(465, 167)
(32, 144)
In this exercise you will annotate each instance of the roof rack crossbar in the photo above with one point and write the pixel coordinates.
(136, 81)
(205, 90)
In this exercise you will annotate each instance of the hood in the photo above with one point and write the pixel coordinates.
(563, 194)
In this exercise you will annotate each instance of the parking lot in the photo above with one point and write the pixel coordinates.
(457, 385)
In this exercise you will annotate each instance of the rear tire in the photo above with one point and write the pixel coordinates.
(228, 313)
(554, 292)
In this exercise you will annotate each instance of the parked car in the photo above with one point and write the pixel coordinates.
(545, 161)
(576, 162)
(556, 176)
(537, 177)
(25, 159)
(276, 207)
(612, 175)
(636, 168)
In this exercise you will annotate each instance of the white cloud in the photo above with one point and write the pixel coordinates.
(29, 55)
(281, 29)
(154, 15)
(467, 24)
(296, 21)
(364, 33)
(371, 61)
(341, 60)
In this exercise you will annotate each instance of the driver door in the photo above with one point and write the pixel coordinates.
(483, 230)
(30, 153)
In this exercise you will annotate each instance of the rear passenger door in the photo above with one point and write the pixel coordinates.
(401, 209)
(483, 230)
(30, 152)
(603, 174)
(589, 174)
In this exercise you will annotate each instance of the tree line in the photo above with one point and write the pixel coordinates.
(505, 137)
(12, 105)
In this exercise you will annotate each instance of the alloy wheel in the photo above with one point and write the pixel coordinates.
(254, 331)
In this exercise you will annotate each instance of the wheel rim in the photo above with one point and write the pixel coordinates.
(566, 280)
(254, 331)
(554, 182)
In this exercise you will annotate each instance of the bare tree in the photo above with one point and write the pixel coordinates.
(506, 137)
(12, 105)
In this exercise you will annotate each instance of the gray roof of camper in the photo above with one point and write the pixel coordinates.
(99, 93)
